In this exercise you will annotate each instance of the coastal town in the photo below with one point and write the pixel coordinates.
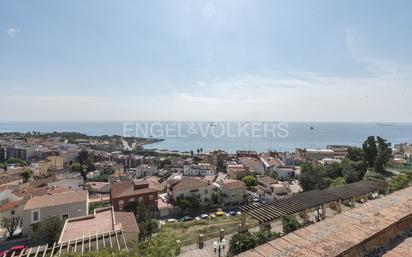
(69, 192)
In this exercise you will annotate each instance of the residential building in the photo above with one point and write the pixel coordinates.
(93, 174)
(20, 152)
(75, 184)
(13, 208)
(192, 187)
(201, 169)
(252, 154)
(269, 188)
(55, 162)
(340, 151)
(40, 168)
(98, 187)
(15, 169)
(232, 192)
(6, 180)
(133, 191)
(285, 172)
(270, 163)
(237, 171)
(2, 154)
(103, 220)
(216, 157)
(63, 205)
(253, 164)
(142, 171)
(319, 154)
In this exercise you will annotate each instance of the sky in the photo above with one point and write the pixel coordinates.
(263, 60)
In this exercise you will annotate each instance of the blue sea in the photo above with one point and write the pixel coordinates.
(299, 134)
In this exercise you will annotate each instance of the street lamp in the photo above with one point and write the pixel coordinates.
(219, 246)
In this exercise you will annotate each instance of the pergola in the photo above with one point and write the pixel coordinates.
(302, 202)
(112, 239)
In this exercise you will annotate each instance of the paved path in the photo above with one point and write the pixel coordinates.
(208, 250)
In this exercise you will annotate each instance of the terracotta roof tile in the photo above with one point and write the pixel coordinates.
(189, 184)
(56, 199)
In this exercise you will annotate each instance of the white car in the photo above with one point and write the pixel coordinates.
(204, 216)
(198, 218)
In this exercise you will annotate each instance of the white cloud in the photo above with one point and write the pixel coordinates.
(13, 31)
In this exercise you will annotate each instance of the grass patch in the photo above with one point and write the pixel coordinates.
(401, 168)
(188, 232)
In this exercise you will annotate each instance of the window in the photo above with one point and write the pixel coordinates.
(140, 199)
(13, 212)
(151, 197)
(131, 200)
(35, 216)
(65, 216)
(121, 204)
(206, 191)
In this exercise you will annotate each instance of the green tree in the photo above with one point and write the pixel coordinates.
(245, 241)
(141, 212)
(370, 151)
(399, 182)
(215, 198)
(241, 242)
(183, 203)
(290, 224)
(16, 161)
(351, 174)
(3, 166)
(11, 224)
(48, 230)
(312, 177)
(370, 175)
(76, 167)
(250, 181)
(355, 154)
(340, 181)
(383, 155)
(132, 207)
(83, 157)
(147, 228)
(334, 170)
(162, 245)
(27, 173)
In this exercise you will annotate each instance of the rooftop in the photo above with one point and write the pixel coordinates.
(56, 199)
(267, 180)
(232, 184)
(101, 221)
(189, 184)
(127, 188)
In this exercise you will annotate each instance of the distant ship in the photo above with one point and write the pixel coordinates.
(312, 128)
(385, 124)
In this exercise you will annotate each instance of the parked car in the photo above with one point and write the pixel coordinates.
(15, 250)
(185, 218)
(171, 220)
(219, 213)
(204, 216)
(198, 218)
(233, 213)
